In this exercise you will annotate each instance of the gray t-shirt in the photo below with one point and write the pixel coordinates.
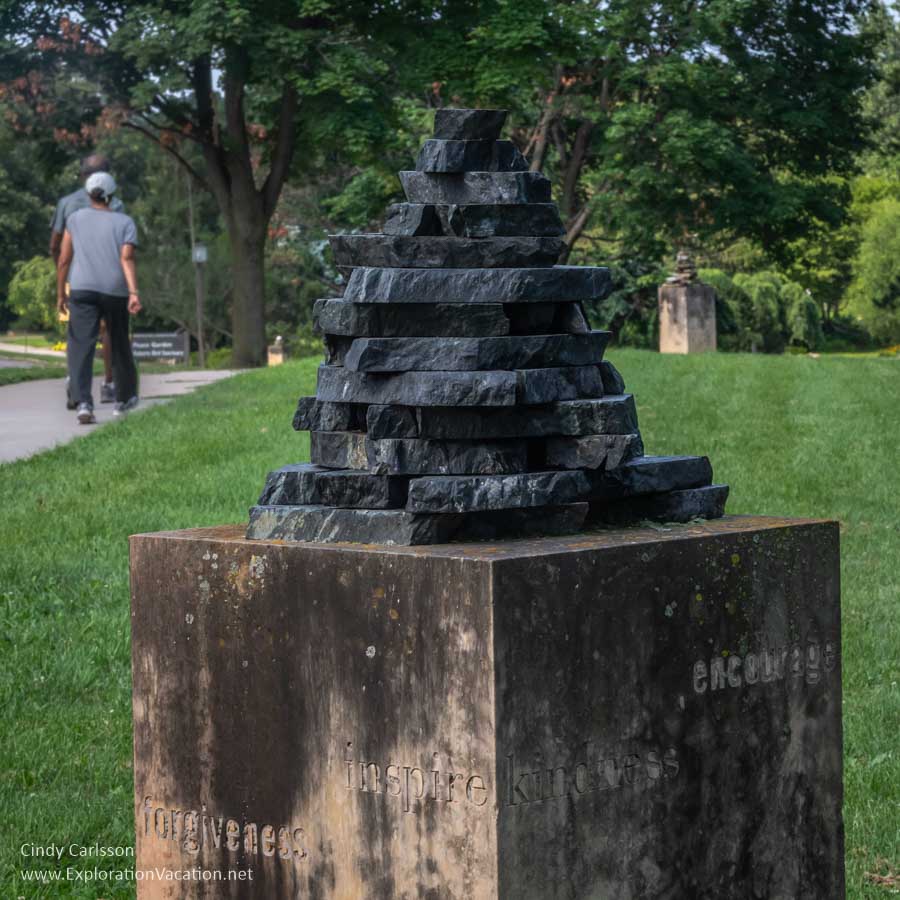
(97, 239)
(72, 203)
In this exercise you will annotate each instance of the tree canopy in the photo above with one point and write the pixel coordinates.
(711, 124)
(246, 83)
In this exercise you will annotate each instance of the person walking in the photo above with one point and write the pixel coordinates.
(64, 208)
(97, 258)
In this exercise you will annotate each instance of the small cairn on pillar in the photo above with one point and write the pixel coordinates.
(464, 395)
(685, 270)
(687, 310)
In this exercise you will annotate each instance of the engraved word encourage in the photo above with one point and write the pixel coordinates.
(806, 660)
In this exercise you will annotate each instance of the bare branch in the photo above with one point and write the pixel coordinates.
(201, 79)
(177, 132)
(574, 230)
(575, 164)
(237, 157)
(213, 152)
(171, 151)
(537, 144)
(283, 152)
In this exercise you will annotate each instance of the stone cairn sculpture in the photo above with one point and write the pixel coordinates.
(464, 396)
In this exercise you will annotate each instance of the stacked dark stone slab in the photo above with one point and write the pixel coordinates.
(464, 395)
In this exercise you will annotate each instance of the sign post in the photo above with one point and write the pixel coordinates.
(199, 256)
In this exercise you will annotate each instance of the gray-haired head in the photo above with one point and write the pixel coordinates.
(96, 162)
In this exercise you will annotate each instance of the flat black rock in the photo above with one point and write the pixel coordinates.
(675, 506)
(608, 415)
(401, 251)
(339, 450)
(475, 187)
(483, 220)
(521, 523)
(314, 415)
(470, 156)
(556, 284)
(613, 382)
(448, 354)
(536, 386)
(336, 348)
(472, 493)
(546, 318)
(338, 385)
(650, 475)
(593, 451)
(468, 124)
(415, 320)
(428, 457)
(398, 527)
(353, 450)
(304, 484)
(365, 526)
(412, 219)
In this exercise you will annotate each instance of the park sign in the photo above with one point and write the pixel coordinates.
(173, 345)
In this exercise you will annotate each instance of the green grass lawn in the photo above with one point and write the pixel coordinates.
(31, 340)
(792, 435)
(43, 369)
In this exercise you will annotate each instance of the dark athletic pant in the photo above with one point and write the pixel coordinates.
(86, 308)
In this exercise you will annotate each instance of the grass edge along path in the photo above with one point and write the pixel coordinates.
(793, 436)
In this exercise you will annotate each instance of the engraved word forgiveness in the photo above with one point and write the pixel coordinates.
(193, 831)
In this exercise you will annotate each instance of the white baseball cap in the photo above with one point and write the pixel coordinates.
(102, 181)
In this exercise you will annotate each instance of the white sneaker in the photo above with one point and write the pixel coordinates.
(127, 406)
(85, 414)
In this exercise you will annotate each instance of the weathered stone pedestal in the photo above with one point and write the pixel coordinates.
(622, 714)
(687, 318)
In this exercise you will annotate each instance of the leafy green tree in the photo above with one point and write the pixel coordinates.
(32, 294)
(247, 84)
(875, 290)
(24, 207)
(818, 260)
(666, 122)
(802, 316)
(881, 103)
(734, 311)
(766, 326)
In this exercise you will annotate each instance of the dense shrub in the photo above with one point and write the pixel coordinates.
(32, 294)
(763, 312)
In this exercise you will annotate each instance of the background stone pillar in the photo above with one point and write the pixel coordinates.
(687, 311)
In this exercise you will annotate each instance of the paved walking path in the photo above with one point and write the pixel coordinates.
(33, 414)
(35, 349)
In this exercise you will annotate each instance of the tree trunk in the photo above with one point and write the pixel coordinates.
(248, 320)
